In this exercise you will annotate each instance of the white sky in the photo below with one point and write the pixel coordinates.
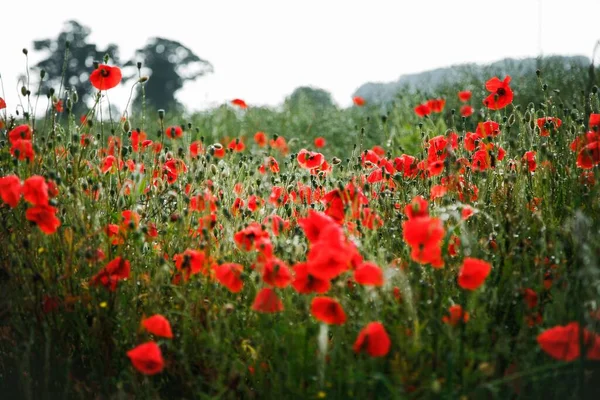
(262, 50)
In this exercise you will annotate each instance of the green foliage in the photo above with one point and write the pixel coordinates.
(63, 337)
(171, 64)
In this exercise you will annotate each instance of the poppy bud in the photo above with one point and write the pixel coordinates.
(538, 72)
(143, 79)
(126, 126)
(96, 64)
(42, 74)
(139, 65)
(23, 91)
(75, 96)
(161, 114)
(594, 89)
(25, 51)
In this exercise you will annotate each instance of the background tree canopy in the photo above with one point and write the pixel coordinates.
(71, 58)
(171, 64)
(77, 61)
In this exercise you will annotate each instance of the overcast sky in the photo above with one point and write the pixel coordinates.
(262, 50)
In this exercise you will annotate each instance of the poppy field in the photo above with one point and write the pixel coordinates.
(446, 247)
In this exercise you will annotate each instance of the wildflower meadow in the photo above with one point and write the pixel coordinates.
(443, 246)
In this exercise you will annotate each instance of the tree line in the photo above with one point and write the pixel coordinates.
(71, 57)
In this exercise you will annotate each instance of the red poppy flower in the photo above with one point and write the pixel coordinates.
(380, 151)
(280, 144)
(246, 238)
(278, 196)
(266, 301)
(589, 156)
(563, 342)
(530, 297)
(488, 128)
(473, 273)
(35, 190)
(416, 208)
(319, 142)
(276, 273)
(437, 147)
(456, 314)
(58, 106)
(369, 157)
(147, 358)
(502, 94)
(374, 339)
(466, 212)
(236, 145)
(229, 275)
(174, 132)
(435, 168)
(110, 164)
(260, 138)
(472, 141)
(358, 101)
(529, 159)
(327, 310)
(368, 273)
(310, 159)
(10, 190)
(137, 137)
(425, 235)
(370, 219)
(436, 105)
(422, 110)
(548, 123)
(219, 151)
(22, 149)
(583, 140)
(305, 283)
(45, 218)
(196, 148)
(158, 325)
(464, 95)
(453, 246)
(118, 268)
(239, 102)
(20, 132)
(594, 122)
(105, 77)
(191, 262)
(328, 258)
(485, 157)
(466, 111)
(277, 224)
(407, 165)
(438, 191)
(2, 103)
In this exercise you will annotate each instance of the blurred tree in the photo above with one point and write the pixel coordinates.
(171, 64)
(306, 96)
(76, 59)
